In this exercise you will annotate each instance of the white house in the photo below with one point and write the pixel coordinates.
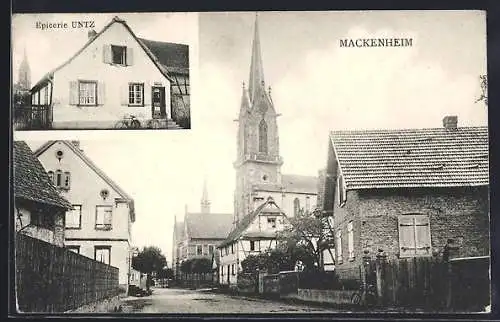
(115, 74)
(99, 226)
(254, 233)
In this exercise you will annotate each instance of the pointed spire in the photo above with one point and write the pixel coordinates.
(205, 203)
(256, 80)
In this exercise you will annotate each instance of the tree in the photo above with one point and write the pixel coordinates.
(484, 89)
(166, 273)
(301, 240)
(150, 259)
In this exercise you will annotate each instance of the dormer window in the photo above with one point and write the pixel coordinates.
(271, 221)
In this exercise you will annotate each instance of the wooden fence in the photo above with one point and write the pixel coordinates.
(31, 117)
(433, 283)
(54, 279)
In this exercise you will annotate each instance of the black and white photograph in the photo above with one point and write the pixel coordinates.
(102, 71)
(339, 163)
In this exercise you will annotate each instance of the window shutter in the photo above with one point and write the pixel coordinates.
(73, 93)
(101, 93)
(130, 56)
(106, 54)
(124, 92)
(406, 235)
(423, 237)
(67, 180)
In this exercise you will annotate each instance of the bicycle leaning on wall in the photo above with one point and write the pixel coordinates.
(128, 122)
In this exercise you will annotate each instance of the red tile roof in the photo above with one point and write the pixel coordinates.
(31, 181)
(434, 157)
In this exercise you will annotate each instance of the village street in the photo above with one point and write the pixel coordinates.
(169, 300)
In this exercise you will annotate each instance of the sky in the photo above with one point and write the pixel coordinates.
(316, 86)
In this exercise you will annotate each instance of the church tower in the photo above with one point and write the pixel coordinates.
(205, 203)
(258, 160)
(24, 79)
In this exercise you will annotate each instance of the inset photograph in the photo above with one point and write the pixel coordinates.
(102, 71)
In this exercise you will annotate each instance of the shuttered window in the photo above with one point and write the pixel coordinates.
(104, 216)
(414, 235)
(341, 192)
(350, 240)
(136, 94)
(117, 55)
(338, 249)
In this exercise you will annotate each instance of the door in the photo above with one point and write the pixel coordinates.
(158, 102)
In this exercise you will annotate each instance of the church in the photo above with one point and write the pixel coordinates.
(263, 195)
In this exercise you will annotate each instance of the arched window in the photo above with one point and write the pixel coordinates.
(296, 206)
(263, 137)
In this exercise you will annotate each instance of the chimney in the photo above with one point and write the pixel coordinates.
(76, 143)
(450, 122)
(91, 34)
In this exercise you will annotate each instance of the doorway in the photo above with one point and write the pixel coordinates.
(158, 110)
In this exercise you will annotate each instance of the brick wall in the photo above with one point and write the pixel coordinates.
(461, 214)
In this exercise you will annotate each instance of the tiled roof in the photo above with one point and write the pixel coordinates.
(95, 168)
(291, 183)
(175, 65)
(208, 225)
(434, 157)
(269, 206)
(175, 57)
(31, 181)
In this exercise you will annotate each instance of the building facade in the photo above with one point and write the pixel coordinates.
(113, 75)
(408, 192)
(39, 209)
(198, 235)
(100, 222)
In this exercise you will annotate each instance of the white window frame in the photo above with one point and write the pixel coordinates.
(76, 211)
(123, 55)
(270, 221)
(200, 248)
(136, 94)
(87, 93)
(107, 217)
(350, 240)
(100, 258)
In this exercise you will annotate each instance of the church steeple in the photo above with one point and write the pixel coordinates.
(24, 79)
(205, 202)
(256, 79)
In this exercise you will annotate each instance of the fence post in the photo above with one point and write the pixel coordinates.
(450, 251)
(379, 270)
(364, 271)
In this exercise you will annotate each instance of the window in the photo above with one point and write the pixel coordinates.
(350, 240)
(232, 269)
(271, 221)
(136, 94)
(67, 180)
(263, 137)
(74, 217)
(210, 249)
(119, 55)
(58, 179)
(414, 235)
(104, 215)
(308, 203)
(102, 254)
(226, 249)
(252, 245)
(87, 93)
(232, 248)
(51, 176)
(341, 193)
(221, 253)
(74, 249)
(296, 206)
(199, 249)
(338, 243)
(222, 270)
